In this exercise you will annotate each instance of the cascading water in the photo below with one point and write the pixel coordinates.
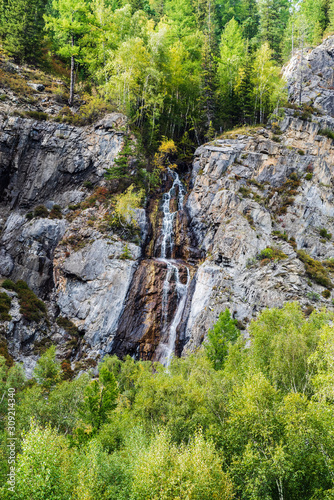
(167, 229)
(150, 325)
(166, 347)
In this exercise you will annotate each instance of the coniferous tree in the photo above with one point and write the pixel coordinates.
(274, 16)
(22, 27)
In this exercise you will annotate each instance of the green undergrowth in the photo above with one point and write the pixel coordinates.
(68, 326)
(270, 254)
(5, 303)
(316, 271)
(31, 307)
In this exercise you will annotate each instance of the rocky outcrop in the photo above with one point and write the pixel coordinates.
(310, 77)
(41, 161)
(251, 193)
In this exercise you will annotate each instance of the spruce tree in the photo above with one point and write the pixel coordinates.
(22, 27)
(274, 16)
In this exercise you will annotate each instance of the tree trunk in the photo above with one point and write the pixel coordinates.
(70, 101)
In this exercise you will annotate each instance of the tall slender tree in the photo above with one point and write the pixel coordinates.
(68, 25)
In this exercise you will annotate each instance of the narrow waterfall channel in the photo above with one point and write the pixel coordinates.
(166, 348)
(153, 322)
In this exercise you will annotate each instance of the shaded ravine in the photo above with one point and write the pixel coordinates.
(155, 306)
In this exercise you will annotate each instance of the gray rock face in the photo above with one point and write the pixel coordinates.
(91, 286)
(241, 187)
(312, 74)
(42, 160)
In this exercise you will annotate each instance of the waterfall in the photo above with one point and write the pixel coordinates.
(166, 347)
(168, 216)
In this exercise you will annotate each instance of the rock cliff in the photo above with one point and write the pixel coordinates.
(253, 230)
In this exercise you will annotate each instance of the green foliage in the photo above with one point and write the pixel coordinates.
(191, 472)
(44, 467)
(220, 337)
(5, 303)
(31, 307)
(324, 234)
(41, 211)
(21, 27)
(282, 341)
(47, 369)
(272, 253)
(261, 425)
(67, 325)
(327, 133)
(100, 399)
(315, 270)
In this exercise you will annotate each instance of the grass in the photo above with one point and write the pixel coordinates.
(31, 307)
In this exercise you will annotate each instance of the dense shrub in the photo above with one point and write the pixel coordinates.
(5, 303)
(31, 307)
(315, 270)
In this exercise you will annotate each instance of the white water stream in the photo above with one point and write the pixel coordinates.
(166, 348)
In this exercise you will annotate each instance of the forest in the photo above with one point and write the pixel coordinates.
(182, 69)
(229, 421)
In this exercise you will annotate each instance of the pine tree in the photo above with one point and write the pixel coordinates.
(274, 16)
(22, 27)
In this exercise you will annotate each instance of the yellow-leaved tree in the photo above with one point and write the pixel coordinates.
(127, 203)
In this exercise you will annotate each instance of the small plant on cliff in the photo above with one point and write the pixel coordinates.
(56, 212)
(41, 211)
(67, 325)
(120, 169)
(220, 337)
(271, 254)
(324, 234)
(327, 133)
(127, 203)
(126, 254)
(31, 307)
(167, 150)
(315, 270)
(5, 303)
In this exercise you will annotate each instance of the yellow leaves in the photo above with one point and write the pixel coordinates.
(127, 203)
(162, 157)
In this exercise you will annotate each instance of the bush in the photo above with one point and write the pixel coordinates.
(192, 472)
(68, 326)
(267, 253)
(31, 307)
(37, 115)
(271, 254)
(323, 233)
(315, 270)
(41, 211)
(309, 176)
(327, 133)
(5, 303)
(56, 212)
(126, 254)
(326, 294)
(313, 296)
